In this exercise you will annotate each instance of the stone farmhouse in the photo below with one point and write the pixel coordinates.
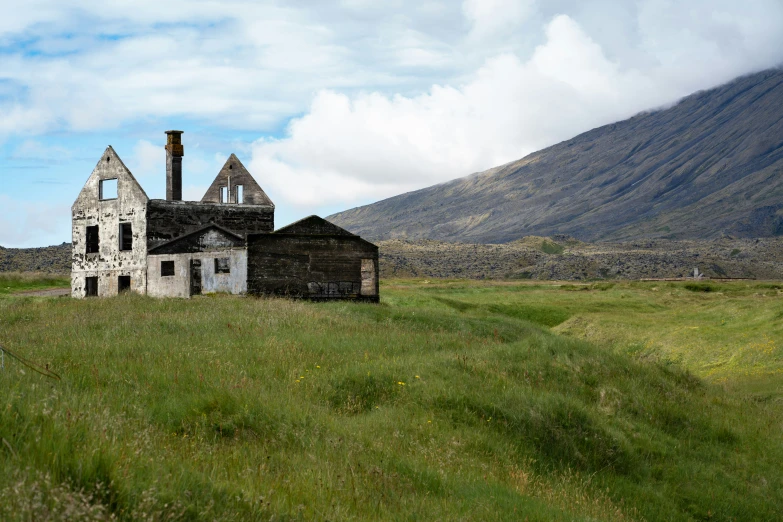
(125, 241)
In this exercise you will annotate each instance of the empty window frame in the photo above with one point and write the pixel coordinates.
(224, 194)
(107, 189)
(166, 268)
(126, 236)
(91, 286)
(92, 241)
(123, 284)
(222, 265)
(239, 192)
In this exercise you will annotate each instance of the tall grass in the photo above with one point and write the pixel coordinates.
(449, 401)
(20, 281)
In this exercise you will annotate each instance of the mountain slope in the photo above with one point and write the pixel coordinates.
(709, 166)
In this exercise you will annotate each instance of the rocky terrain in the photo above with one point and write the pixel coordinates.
(558, 257)
(564, 258)
(711, 165)
(51, 260)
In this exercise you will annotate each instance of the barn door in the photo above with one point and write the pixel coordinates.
(368, 277)
(195, 277)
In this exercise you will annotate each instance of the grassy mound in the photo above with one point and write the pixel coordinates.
(444, 402)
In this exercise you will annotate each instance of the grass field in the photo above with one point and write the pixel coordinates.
(450, 400)
(11, 282)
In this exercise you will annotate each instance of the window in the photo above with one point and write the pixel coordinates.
(166, 268)
(239, 190)
(222, 265)
(90, 286)
(224, 194)
(107, 189)
(123, 284)
(92, 239)
(126, 236)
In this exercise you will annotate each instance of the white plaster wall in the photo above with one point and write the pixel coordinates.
(232, 283)
(178, 285)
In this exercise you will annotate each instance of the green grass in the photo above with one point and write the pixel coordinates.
(449, 401)
(11, 282)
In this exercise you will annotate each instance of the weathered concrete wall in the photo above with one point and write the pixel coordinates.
(130, 206)
(167, 220)
(232, 174)
(178, 285)
(312, 266)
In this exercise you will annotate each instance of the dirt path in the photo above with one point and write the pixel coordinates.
(49, 292)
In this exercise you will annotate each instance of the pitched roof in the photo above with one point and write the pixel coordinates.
(314, 226)
(188, 243)
(231, 175)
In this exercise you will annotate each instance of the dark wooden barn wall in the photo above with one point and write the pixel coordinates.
(315, 267)
(167, 220)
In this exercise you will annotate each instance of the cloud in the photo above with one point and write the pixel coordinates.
(490, 17)
(27, 224)
(353, 149)
(349, 101)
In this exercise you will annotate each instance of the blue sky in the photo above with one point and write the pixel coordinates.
(334, 104)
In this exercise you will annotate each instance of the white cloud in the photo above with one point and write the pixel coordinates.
(385, 96)
(490, 17)
(353, 149)
(28, 224)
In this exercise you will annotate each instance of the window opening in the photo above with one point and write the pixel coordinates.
(240, 193)
(166, 268)
(224, 194)
(222, 265)
(91, 286)
(123, 284)
(107, 189)
(126, 236)
(92, 240)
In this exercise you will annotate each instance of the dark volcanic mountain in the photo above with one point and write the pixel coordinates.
(712, 165)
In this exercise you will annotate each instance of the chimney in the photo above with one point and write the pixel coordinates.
(174, 153)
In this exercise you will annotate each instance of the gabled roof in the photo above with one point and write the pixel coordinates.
(194, 241)
(232, 174)
(313, 226)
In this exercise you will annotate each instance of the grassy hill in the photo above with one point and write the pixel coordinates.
(449, 401)
(55, 259)
(708, 166)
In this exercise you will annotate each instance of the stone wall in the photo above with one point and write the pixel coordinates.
(130, 207)
(230, 176)
(167, 220)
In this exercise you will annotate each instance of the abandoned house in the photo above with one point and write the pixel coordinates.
(125, 241)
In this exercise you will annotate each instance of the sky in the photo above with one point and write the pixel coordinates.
(336, 104)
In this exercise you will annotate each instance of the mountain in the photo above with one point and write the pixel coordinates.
(712, 165)
(52, 259)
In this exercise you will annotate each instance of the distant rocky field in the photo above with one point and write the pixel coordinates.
(564, 258)
(558, 257)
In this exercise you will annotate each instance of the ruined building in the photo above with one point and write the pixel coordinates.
(125, 241)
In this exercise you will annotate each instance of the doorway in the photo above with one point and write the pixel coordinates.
(123, 284)
(195, 277)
